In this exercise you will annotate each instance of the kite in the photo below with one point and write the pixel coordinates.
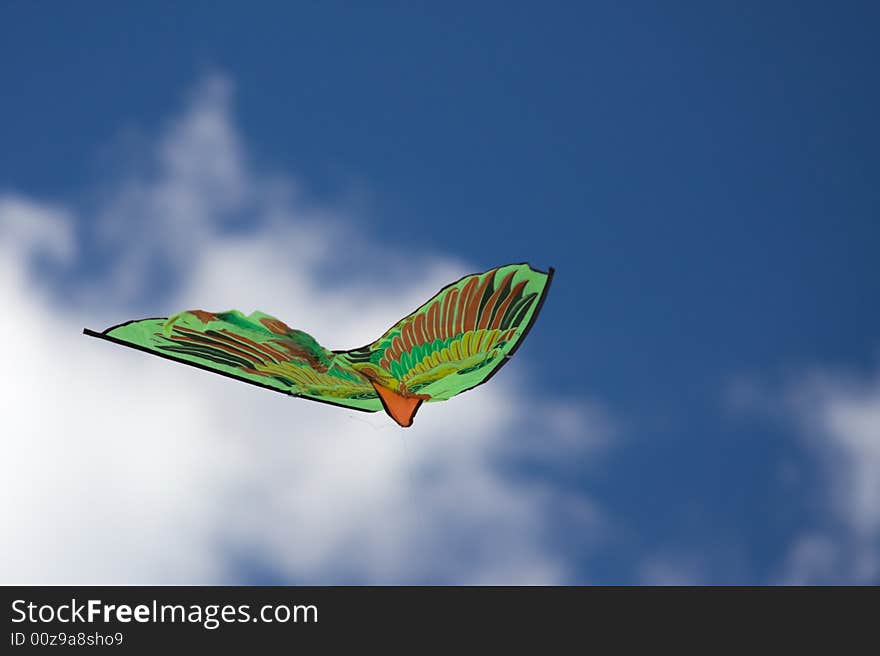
(452, 343)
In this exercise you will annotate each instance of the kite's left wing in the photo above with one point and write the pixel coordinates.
(256, 349)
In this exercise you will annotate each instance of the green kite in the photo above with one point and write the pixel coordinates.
(452, 343)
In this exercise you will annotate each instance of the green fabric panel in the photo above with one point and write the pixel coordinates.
(509, 296)
(152, 335)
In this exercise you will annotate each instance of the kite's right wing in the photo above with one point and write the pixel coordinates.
(459, 338)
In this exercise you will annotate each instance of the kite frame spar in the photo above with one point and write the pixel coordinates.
(534, 315)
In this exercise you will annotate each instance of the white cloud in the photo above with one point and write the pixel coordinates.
(122, 468)
(839, 417)
(836, 417)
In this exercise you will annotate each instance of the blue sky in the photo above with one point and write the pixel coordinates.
(702, 176)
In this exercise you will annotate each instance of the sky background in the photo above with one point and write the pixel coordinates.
(699, 401)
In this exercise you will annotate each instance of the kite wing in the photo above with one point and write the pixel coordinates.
(257, 349)
(458, 339)
(452, 343)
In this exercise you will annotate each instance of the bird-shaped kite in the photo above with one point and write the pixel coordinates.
(452, 343)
